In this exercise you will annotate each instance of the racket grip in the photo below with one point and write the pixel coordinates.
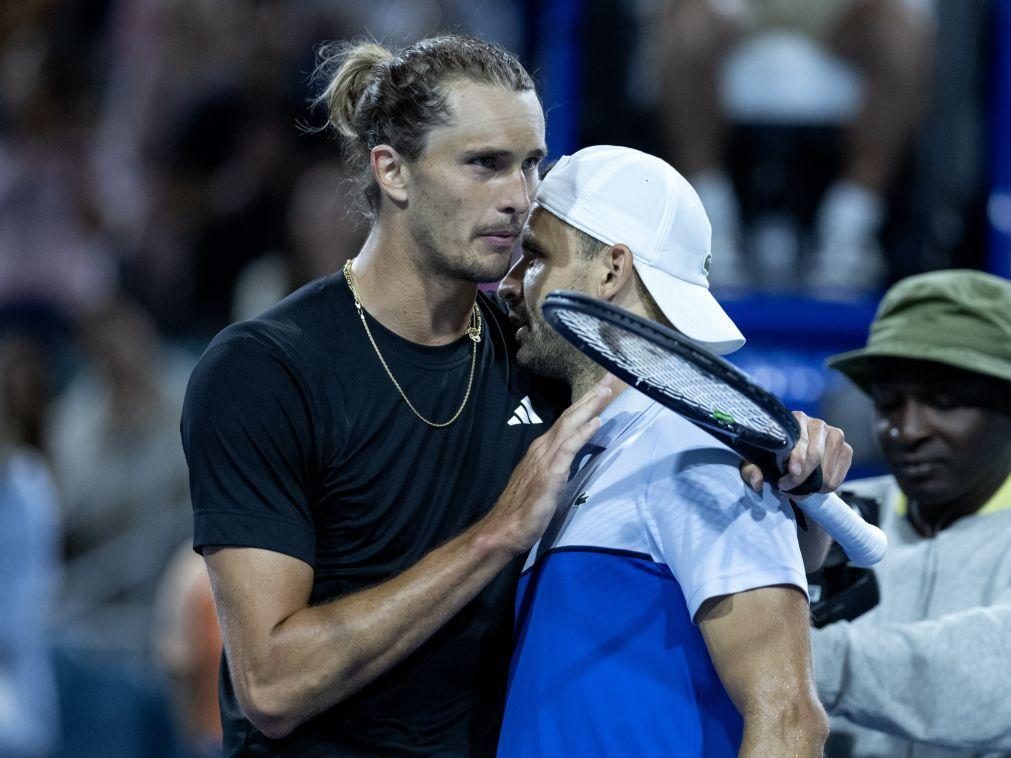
(863, 543)
(811, 484)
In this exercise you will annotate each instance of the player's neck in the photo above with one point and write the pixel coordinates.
(407, 298)
(584, 377)
(585, 373)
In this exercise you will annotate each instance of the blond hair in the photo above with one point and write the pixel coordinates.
(375, 96)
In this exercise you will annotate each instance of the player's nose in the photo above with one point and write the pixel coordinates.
(510, 289)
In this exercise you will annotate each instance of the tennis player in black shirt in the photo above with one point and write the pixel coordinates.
(367, 461)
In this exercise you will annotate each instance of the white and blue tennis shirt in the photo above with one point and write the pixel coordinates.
(655, 520)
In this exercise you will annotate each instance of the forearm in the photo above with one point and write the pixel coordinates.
(814, 544)
(922, 680)
(319, 655)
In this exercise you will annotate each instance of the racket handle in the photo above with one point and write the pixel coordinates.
(811, 484)
(863, 543)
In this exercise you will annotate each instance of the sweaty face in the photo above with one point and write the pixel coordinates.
(472, 187)
(550, 259)
(941, 441)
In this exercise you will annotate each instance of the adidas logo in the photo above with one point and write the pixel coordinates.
(524, 414)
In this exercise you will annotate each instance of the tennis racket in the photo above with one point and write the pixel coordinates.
(711, 393)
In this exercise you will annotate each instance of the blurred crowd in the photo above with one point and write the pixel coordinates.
(150, 148)
(162, 176)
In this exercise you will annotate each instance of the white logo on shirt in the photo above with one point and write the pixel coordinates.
(524, 414)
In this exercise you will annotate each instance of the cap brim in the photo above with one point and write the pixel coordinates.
(858, 365)
(693, 311)
(855, 365)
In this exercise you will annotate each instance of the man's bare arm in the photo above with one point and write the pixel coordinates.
(814, 544)
(290, 661)
(759, 643)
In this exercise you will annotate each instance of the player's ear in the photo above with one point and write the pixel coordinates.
(616, 274)
(391, 172)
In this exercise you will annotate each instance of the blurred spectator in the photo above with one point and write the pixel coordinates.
(25, 391)
(51, 245)
(890, 44)
(119, 466)
(321, 235)
(110, 709)
(187, 648)
(925, 673)
(198, 145)
(29, 539)
(218, 203)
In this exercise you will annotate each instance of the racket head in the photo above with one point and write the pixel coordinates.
(674, 371)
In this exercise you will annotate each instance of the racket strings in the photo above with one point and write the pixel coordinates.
(704, 393)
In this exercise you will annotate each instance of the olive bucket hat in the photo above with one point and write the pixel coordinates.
(960, 318)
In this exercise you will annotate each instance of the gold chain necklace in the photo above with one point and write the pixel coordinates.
(473, 331)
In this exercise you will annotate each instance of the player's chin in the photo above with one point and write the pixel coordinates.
(929, 491)
(486, 266)
(531, 360)
(538, 361)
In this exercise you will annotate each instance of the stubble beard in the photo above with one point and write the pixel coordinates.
(463, 264)
(546, 353)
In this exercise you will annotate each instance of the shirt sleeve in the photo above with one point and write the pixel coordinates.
(248, 438)
(922, 680)
(717, 536)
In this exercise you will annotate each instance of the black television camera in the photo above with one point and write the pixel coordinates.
(839, 590)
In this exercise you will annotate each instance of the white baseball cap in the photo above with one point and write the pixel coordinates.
(623, 196)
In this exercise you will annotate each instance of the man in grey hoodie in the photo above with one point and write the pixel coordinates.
(928, 671)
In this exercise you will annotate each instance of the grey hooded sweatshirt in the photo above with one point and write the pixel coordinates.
(927, 673)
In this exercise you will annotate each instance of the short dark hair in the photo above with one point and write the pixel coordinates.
(376, 96)
(589, 247)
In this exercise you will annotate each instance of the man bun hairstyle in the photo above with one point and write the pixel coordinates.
(375, 96)
(347, 85)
